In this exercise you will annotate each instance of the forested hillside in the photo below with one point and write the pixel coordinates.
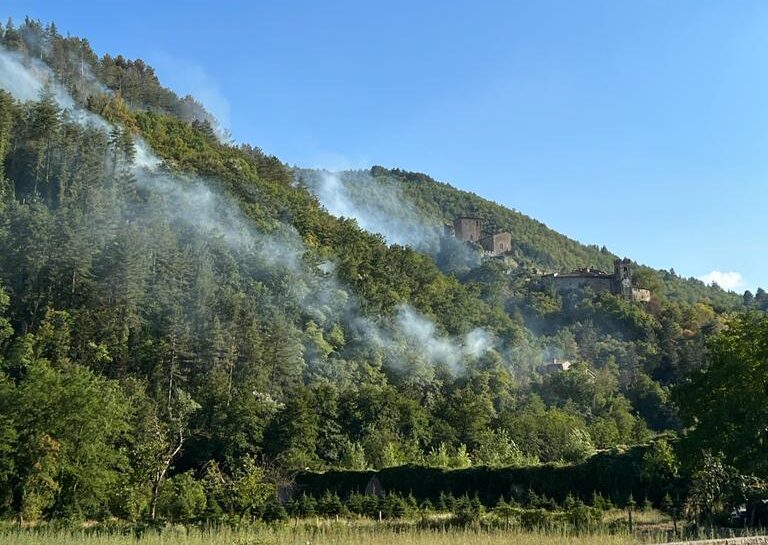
(535, 245)
(180, 314)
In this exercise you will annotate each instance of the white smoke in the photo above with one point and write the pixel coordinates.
(478, 342)
(377, 206)
(144, 158)
(24, 83)
(27, 79)
(192, 202)
(423, 332)
(437, 348)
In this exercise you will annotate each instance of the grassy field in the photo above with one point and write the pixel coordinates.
(330, 535)
(650, 527)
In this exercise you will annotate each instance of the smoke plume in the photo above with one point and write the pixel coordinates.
(379, 206)
(28, 79)
(193, 203)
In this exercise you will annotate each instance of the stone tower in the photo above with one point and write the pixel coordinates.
(468, 229)
(622, 277)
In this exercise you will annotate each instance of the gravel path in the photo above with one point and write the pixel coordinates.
(756, 540)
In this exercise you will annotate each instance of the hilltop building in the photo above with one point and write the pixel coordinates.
(555, 366)
(619, 283)
(470, 229)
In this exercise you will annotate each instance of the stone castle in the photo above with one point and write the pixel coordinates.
(619, 283)
(469, 229)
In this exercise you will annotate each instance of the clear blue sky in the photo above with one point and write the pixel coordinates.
(639, 125)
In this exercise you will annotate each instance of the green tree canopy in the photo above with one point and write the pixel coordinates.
(724, 406)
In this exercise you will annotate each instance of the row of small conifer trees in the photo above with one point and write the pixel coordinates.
(534, 511)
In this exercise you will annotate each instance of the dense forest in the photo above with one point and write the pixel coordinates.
(182, 317)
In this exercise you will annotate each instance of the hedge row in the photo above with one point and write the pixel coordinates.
(615, 475)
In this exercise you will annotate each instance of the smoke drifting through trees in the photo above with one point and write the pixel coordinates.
(379, 206)
(26, 79)
(191, 203)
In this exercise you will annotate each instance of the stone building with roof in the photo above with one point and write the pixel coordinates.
(619, 283)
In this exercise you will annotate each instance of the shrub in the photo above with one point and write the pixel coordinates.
(274, 512)
(182, 499)
(330, 505)
(584, 518)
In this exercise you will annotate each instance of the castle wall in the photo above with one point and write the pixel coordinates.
(619, 283)
(497, 244)
(596, 283)
(641, 295)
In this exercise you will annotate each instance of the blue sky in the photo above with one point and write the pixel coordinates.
(639, 125)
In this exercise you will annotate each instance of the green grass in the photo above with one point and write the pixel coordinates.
(650, 527)
(318, 533)
(330, 536)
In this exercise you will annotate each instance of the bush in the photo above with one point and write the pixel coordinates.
(535, 519)
(274, 512)
(303, 507)
(330, 505)
(395, 507)
(182, 499)
(599, 502)
(584, 518)
(467, 512)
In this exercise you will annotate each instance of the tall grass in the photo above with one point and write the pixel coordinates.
(317, 534)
